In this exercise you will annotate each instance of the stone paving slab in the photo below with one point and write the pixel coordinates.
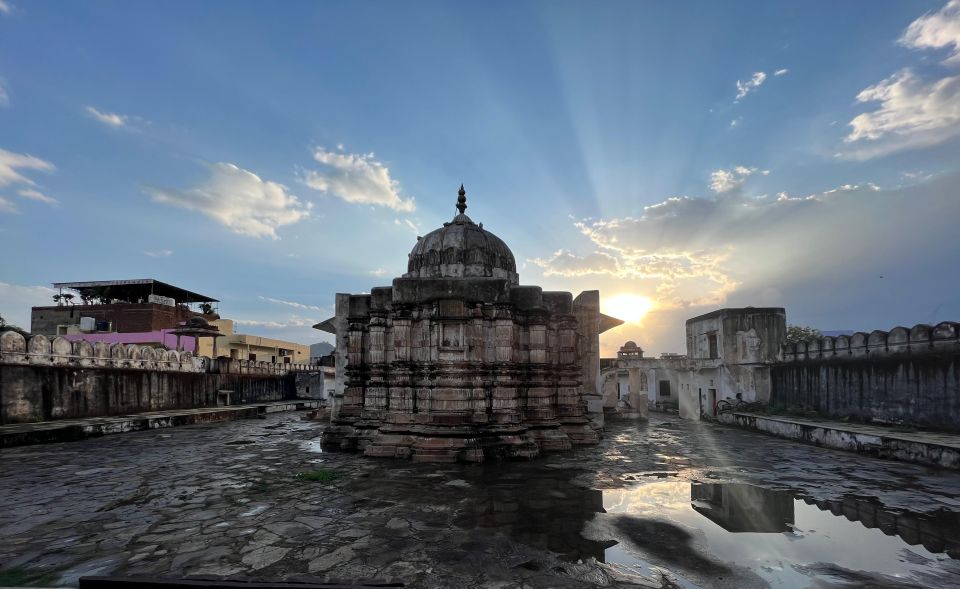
(921, 447)
(65, 430)
(224, 500)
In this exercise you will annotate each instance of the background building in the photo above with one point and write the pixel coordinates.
(139, 311)
(730, 352)
(241, 346)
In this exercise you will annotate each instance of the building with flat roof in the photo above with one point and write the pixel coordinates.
(140, 311)
(241, 346)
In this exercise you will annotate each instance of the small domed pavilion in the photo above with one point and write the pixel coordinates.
(456, 361)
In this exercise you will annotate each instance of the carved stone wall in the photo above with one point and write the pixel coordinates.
(436, 375)
(43, 380)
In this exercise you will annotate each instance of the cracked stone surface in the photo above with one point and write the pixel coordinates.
(192, 502)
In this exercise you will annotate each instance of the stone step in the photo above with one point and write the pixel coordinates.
(69, 430)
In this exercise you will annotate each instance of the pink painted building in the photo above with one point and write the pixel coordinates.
(159, 338)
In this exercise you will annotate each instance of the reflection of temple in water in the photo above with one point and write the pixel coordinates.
(938, 532)
(538, 510)
(738, 507)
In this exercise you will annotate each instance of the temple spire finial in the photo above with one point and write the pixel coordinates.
(462, 199)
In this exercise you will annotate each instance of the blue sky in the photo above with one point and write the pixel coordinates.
(694, 154)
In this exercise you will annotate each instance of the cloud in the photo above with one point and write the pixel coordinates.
(292, 304)
(158, 253)
(240, 200)
(292, 322)
(736, 122)
(694, 251)
(938, 30)
(755, 81)
(111, 119)
(911, 113)
(16, 301)
(356, 178)
(407, 223)
(726, 180)
(8, 207)
(781, 72)
(566, 263)
(4, 96)
(5, 7)
(32, 194)
(11, 162)
(378, 272)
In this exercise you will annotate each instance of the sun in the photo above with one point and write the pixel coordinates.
(628, 307)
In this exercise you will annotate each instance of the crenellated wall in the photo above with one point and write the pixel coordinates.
(43, 379)
(904, 376)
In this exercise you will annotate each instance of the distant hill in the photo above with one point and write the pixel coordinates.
(320, 349)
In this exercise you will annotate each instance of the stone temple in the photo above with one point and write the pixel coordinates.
(456, 361)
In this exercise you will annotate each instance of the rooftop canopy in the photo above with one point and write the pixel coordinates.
(134, 290)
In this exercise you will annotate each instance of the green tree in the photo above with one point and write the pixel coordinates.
(4, 326)
(801, 333)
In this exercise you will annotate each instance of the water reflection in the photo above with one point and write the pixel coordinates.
(739, 507)
(938, 532)
(542, 509)
(783, 539)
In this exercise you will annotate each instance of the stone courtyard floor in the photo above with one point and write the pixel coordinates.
(664, 504)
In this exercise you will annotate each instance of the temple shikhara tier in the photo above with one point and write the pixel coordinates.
(456, 361)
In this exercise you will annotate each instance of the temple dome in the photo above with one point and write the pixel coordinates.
(461, 249)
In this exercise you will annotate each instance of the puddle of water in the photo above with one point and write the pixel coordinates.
(538, 510)
(784, 540)
(692, 534)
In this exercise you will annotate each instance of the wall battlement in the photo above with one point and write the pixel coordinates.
(42, 351)
(920, 340)
(904, 376)
(44, 380)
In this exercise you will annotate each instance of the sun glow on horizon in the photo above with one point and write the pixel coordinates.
(630, 308)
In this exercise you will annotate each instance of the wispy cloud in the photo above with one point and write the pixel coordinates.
(32, 194)
(781, 72)
(937, 30)
(4, 95)
(12, 166)
(912, 112)
(6, 7)
(292, 304)
(8, 207)
(379, 272)
(407, 223)
(239, 200)
(158, 253)
(356, 178)
(11, 162)
(111, 119)
(755, 81)
(266, 324)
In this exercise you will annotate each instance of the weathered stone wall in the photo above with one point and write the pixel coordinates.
(42, 379)
(905, 376)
